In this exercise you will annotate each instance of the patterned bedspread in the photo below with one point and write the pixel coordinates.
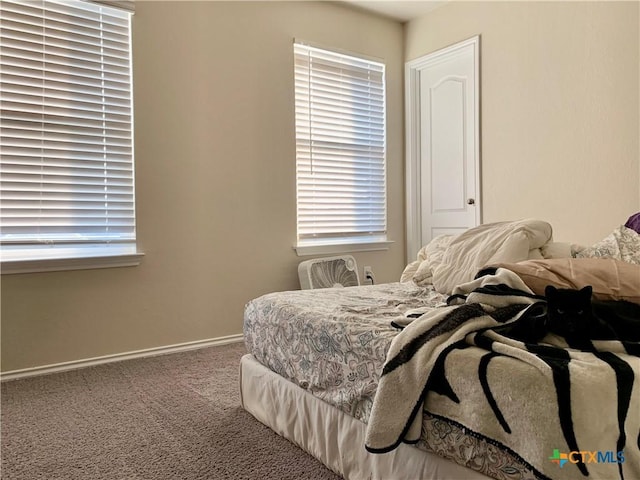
(333, 343)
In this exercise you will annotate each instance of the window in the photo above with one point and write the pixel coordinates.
(340, 151)
(67, 178)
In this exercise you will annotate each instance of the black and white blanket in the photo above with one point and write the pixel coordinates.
(568, 414)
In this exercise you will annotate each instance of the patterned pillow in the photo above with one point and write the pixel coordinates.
(622, 244)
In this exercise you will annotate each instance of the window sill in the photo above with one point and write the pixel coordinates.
(335, 248)
(17, 266)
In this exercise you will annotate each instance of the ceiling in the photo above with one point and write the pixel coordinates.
(402, 10)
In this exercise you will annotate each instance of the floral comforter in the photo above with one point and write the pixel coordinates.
(333, 343)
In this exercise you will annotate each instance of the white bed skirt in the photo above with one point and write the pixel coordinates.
(332, 436)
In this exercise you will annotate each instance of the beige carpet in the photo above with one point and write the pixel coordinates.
(168, 417)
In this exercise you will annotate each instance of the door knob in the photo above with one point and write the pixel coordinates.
(471, 201)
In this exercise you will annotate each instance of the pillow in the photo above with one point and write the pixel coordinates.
(611, 279)
(622, 244)
(556, 250)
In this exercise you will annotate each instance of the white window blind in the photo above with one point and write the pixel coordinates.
(340, 147)
(66, 124)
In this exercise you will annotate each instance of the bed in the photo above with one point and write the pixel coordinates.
(362, 379)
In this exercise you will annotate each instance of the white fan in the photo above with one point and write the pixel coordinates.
(328, 272)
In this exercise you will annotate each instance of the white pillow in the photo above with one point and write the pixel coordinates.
(556, 250)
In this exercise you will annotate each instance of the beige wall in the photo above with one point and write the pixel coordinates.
(559, 102)
(215, 178)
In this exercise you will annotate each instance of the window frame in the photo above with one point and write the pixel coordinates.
(342, 71)
(41, 254)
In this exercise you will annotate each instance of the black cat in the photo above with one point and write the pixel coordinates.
(572, 314)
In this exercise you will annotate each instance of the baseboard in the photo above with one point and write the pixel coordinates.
(118, 357)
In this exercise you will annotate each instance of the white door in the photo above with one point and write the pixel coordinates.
(443, 161)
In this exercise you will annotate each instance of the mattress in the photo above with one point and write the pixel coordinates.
(332, 344)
